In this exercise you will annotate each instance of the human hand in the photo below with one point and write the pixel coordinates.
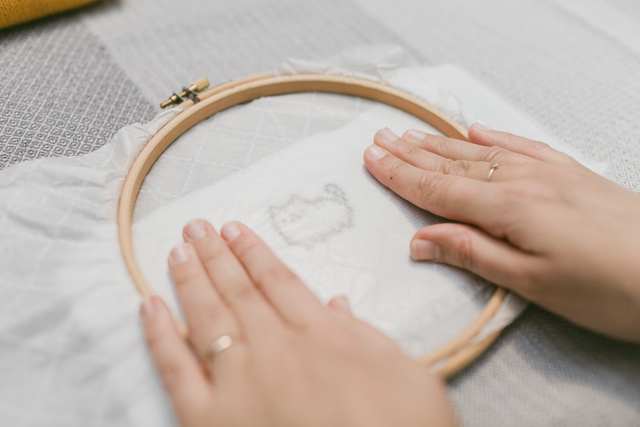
(544, 227)
(292, 360)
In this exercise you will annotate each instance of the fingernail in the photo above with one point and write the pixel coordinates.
(343, 303)
(388, 136)
(230, 231)
(415, 135)
(482, 126)
(179, 254)
(147, 309)
(374, 152)
(423, 250)
(195, 231)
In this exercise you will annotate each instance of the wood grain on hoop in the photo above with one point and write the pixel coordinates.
(458, 351)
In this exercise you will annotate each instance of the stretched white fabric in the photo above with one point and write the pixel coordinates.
(69, 329)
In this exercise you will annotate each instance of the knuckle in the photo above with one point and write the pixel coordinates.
(494, 154)
(202, 321)
(436, 144)
(411, 151)
(185, 275)
(445, 166)
(538, 147)
(212, 250)
(462, 251)
(394, 169)
(245, 244)
(239, 294)
(428, 184)
(279, 275)
(456, 167)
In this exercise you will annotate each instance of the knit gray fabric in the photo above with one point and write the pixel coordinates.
(163, 45)
(60, 93)
(574, 79)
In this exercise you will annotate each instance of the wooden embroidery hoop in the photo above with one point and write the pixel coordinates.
(450, 358)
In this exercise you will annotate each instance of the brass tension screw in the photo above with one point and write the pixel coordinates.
(198, 86)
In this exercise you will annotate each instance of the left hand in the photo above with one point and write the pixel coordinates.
(292, 360)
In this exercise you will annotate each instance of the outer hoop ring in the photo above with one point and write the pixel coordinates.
(459, 351)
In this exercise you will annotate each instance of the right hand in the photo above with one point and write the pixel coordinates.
(544, 227)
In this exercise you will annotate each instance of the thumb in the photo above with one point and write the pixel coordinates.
(467, 247)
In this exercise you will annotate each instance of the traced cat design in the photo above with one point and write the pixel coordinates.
(308, 222)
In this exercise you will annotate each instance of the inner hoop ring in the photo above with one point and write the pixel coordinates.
(454, 355)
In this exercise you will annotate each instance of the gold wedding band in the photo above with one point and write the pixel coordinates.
(492, 168)
(218, 346)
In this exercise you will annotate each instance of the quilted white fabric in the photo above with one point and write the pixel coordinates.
(71, 345)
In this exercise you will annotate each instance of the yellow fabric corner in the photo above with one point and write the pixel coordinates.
(13, 12)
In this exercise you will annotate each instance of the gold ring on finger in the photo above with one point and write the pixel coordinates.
(216, 347)
(492, 168)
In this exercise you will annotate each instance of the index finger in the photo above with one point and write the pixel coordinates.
(450, 196)
(287, 293)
